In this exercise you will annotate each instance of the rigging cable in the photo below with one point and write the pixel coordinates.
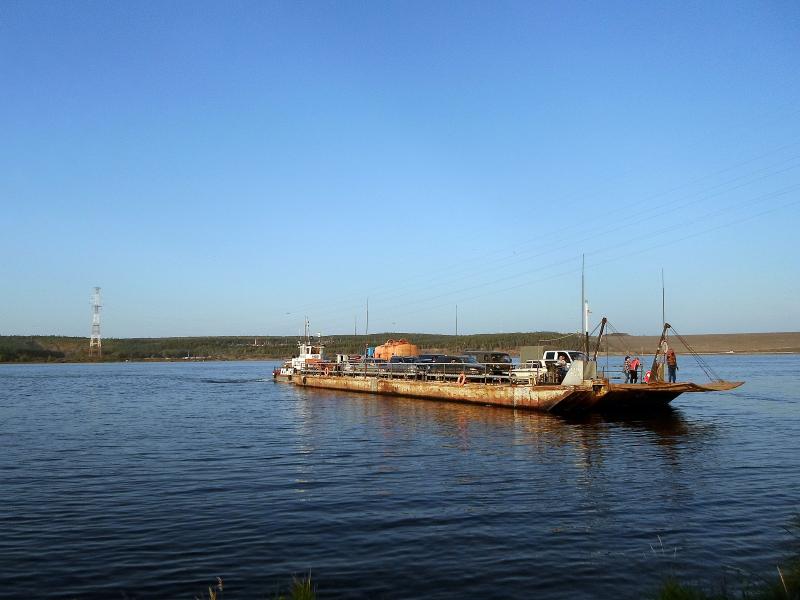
(710, 373)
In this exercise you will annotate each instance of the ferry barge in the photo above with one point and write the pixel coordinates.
(580, 389)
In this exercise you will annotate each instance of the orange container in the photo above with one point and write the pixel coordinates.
(396, 348)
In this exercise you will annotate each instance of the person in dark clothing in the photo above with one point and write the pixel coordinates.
(672, 365)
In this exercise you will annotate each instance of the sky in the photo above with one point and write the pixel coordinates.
(231, 168)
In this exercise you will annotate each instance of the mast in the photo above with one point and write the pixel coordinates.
(585, 312)
(599, 338)
(663, 304)
(584, 308)
(654, 368)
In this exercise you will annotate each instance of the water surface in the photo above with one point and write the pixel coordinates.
(150, 480)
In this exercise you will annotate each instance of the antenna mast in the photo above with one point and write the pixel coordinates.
(95, 344)
(584, 307)
(583, 294)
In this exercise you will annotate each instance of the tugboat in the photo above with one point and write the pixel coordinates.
(310, 357)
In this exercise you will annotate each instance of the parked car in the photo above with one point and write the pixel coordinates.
(404, 366)
(370, 366)
(532, 371)
(497, 363)
(445, 364)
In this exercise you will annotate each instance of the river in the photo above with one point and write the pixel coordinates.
(151, 480)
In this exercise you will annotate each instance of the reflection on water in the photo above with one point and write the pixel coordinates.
(151, 480)
(585, 435)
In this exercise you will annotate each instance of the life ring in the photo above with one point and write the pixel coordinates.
(462, 379)
(326, 371)
(647, 377)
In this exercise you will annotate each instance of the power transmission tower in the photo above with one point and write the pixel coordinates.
(95, 344)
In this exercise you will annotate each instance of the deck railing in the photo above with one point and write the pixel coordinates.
(453, 371)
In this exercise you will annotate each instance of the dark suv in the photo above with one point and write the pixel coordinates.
(404, 366)
(497, 363)
(444, 364)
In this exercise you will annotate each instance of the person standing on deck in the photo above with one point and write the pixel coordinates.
(563, 367)
(672, 365)
(634, 370)
(626, 368)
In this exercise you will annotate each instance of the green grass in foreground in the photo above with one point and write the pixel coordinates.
(784, 585)
(301, 589)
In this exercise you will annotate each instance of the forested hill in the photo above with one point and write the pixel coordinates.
(76, 349)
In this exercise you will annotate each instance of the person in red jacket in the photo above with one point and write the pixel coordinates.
(635, 369)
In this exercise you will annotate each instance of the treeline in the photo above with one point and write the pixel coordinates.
(76, 349)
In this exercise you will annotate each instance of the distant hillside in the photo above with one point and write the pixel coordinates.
(76, 349)
(716, 343)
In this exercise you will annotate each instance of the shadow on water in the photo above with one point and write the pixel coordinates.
(667, 424)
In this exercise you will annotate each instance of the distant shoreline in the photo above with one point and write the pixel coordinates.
(273, 360)
(61, 349)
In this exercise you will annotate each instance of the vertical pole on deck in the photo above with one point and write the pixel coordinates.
(663, 317)
(654, 368)
(599, 338)
(584, 308)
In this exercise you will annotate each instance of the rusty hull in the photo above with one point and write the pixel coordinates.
(585, 397)
(597, 394)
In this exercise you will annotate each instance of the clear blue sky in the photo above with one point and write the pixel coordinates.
(228, 168)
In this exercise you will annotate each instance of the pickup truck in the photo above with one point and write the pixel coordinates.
(551, 356)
